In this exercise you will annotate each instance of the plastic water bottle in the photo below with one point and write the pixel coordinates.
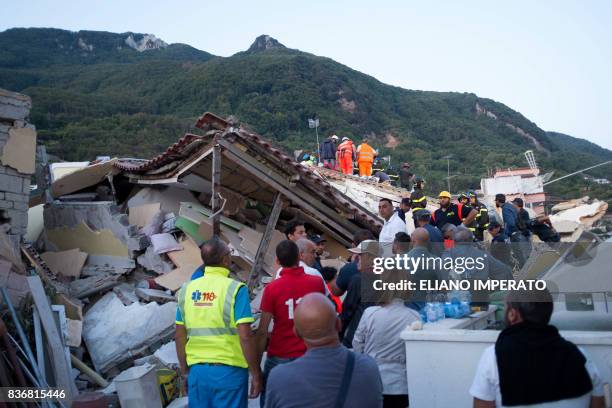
(430, 313)
(439, 311)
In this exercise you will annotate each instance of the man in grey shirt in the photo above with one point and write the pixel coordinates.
(320, 377)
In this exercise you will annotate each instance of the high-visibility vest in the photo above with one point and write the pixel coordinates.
(207, 308)
(365, 153)
(346, 149)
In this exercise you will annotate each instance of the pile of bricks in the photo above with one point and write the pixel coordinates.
(14, 186)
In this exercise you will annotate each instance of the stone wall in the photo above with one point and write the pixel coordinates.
(14, 185)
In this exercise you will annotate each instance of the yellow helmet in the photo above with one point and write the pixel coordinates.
(444, 194)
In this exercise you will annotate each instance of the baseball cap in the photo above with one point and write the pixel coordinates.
(518, 201)
(369, 246)
(345, 138)
(317, 239)
(334, 137)
(419, 179)
(444, 194)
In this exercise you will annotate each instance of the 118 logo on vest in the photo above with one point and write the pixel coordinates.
(203, 298)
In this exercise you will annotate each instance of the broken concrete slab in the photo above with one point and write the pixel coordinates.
(82, 288)
(65, 263)
(154, 262)
(126, 293)
(154, 295)
(83, 178)
(115, 333)
(20, 150)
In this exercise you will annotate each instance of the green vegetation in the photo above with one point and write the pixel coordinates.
(113, 100)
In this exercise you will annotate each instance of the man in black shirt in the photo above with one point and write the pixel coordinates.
(448, 212)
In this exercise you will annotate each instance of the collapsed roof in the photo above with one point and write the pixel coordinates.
(252, 168)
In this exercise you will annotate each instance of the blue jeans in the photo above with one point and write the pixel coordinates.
(270, 363)
(217, 386)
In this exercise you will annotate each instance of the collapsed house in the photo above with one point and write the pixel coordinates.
(119, 237)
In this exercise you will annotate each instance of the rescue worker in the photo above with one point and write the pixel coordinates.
(419, 183)
(406, 177)
(214, 341)
(481, 222)
(345, 155)
(327, 152)
(365, 158)
(448, 212)
(462, 198)
(418, 202)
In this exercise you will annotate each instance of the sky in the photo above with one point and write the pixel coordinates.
(551, 60)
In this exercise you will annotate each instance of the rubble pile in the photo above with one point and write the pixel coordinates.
(571, 218)
(119, 237)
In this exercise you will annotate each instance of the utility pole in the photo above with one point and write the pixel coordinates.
(314, 123)
(448, 171)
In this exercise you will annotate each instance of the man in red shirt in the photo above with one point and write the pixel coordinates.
(280, 297)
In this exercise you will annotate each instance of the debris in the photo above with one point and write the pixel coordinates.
(85, 287)
(101, 242)
(182, 402)
(116, 334)
(169, 198)
(83, 178)
(141, 215)
(164, 242)
(66, 263)
(566, 205)
(82, 367)
(155, 224)
(126, 293)
(187, 261)
(154, 262)
(20, 150)
(61, 368)
(137, 387)
(35, 223)
(154, 295)
(577, 217)
(166, 354)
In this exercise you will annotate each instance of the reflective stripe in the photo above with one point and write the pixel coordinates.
(418, 200)
(227, 306)
(211, 331)
(181, 300)
(472, 229)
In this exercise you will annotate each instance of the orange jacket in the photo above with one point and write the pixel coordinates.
(365, 153)
(346, 149)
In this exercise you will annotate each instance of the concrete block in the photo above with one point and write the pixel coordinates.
(14, 106)
(22, 198)
(11, 184)
(6, 204)
(20, 206)
(26, 184)
(1, 195)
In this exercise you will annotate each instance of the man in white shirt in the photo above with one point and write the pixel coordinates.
(393, 223)
(531, 365)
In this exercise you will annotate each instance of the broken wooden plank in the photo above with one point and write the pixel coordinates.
(264, 244)
(61, 368)
(216, 183)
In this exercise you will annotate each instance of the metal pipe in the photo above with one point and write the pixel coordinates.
(22, 336)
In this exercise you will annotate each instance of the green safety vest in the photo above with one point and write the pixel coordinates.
(207, 308)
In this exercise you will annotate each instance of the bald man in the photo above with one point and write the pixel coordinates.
(426, 270)
(328, 374)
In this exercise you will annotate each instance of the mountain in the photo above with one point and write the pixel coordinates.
(132, 95)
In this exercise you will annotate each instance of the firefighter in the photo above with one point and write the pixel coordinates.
(481, 222)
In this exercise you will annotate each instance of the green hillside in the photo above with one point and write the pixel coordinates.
(94, 94)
